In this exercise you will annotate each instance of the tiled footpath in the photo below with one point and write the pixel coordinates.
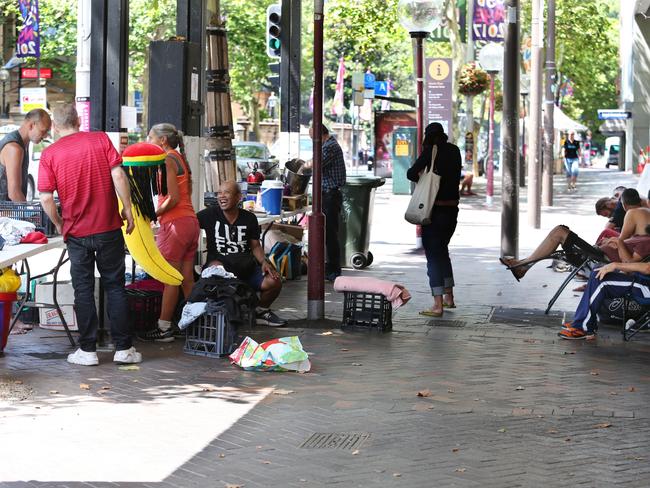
(503, 402)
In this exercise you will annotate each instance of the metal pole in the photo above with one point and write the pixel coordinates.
(627, 63)
(419, 84)
(522, 165)
(534, 176)
(316, 264)
(4, 102)
(469, 111)
(549, 129)
(490, 161)
(82, 85)
(509, 184)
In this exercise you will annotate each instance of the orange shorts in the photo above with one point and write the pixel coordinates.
(178, 240)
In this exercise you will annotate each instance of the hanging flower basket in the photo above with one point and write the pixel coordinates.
(473, 80)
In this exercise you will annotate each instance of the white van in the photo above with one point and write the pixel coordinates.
(612, 151)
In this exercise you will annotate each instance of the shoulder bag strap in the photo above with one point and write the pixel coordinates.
(434, 153)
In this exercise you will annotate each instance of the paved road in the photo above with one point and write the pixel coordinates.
(505, 403)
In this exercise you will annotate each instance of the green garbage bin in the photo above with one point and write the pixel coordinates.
(356, 217)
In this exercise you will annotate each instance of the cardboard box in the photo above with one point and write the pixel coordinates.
(293, 230)
(48, 317)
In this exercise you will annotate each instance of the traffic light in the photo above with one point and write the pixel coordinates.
(273, 31)
(274, 77)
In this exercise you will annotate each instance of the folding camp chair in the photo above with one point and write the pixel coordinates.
(634, 325)
(577, 259)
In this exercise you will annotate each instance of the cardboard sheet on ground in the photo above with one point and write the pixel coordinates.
(284, 354)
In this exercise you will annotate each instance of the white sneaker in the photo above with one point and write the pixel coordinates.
(83, 358)
(127, 356)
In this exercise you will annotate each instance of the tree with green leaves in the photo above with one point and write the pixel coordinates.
(586, 55)
(246, 25)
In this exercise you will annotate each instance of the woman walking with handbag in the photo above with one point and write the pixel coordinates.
(446, 161)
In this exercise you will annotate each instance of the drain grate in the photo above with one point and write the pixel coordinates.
(446, 323)
(48, 355)
(523, 317)
(336, 440)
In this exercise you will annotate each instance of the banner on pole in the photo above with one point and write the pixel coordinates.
(488, 23)
(338, 105)
(28, 44)
(441, 33)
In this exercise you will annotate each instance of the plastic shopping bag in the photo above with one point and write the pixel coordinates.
(284, 354)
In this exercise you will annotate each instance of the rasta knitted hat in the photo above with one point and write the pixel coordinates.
(143, 154)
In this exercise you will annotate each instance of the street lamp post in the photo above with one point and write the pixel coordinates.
(524, 90)
(419, 18)
(491, 59)
(4, 77)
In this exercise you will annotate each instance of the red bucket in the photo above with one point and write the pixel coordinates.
(6, 306)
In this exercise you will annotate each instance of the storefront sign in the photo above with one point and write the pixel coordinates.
(607, 114)
(31, 98)
(32, 73)
(28, 44)
(489, 20)
(438, 92)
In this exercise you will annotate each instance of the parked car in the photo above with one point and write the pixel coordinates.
(35, 151)
(612, 155)
(249, 154)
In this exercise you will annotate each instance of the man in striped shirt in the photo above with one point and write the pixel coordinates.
(333, 179)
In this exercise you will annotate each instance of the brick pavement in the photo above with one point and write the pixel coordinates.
(506, 403)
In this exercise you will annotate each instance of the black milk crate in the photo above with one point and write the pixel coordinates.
(144, 309)
(29, 212)
(210, 335)
(367, 310)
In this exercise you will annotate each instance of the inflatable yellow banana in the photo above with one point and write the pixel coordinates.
(142, 247)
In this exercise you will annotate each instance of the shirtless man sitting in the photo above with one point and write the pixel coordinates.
(633, 243)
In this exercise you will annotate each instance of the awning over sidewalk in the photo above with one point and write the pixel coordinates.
(563, 122)
(613, 127)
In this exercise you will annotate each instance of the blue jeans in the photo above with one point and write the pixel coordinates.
(572, 167)
(614, 285)
(435, 240)
(107, 251)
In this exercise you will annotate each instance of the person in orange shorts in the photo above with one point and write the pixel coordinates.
(178, 238)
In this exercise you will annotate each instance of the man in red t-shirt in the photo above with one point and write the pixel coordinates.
(85, 170)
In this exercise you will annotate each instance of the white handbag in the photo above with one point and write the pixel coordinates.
(426, 189)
